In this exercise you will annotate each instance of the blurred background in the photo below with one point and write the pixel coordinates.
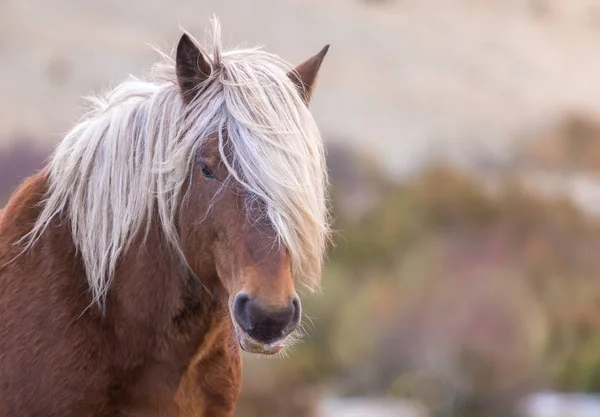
(463, 143)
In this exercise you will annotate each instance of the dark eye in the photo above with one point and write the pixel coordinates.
(206, 172)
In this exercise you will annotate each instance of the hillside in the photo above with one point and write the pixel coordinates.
(405, 79)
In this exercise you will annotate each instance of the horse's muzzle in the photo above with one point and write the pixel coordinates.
(263, 330)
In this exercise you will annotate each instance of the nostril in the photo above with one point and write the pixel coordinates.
(265, 324)
(296, 305)
(240, 311)
(297, 312)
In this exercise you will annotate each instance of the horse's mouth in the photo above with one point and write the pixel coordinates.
(252, 346)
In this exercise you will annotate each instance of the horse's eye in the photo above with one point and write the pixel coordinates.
(206, 172)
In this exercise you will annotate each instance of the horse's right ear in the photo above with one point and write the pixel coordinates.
(191, 66)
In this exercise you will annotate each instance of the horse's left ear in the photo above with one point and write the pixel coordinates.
(191, 66)
(305, 74)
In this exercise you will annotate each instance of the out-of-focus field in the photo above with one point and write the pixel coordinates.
(462, 285)
(440, 289)
(405, 80)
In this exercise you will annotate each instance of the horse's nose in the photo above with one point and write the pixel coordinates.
(266, 325)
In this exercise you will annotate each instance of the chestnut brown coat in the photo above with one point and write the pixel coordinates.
(165, 340)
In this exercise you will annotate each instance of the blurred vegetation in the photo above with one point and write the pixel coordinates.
(446, 292)
(436, 289)
(573, 144)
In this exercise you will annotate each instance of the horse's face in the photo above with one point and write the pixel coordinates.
(224, 229)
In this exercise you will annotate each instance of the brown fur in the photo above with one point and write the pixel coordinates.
(164, 348)
(166, 344)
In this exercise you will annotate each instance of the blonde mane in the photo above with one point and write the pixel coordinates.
(133, 152)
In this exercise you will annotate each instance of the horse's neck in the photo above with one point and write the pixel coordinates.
(150, 273)
(153, 299)
(150, 276)
(153, 289)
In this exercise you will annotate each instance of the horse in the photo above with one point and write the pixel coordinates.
(172, 227)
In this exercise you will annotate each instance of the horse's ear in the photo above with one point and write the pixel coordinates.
(305, 74)
(191, 66)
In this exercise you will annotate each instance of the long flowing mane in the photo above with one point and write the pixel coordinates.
(132, 154)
